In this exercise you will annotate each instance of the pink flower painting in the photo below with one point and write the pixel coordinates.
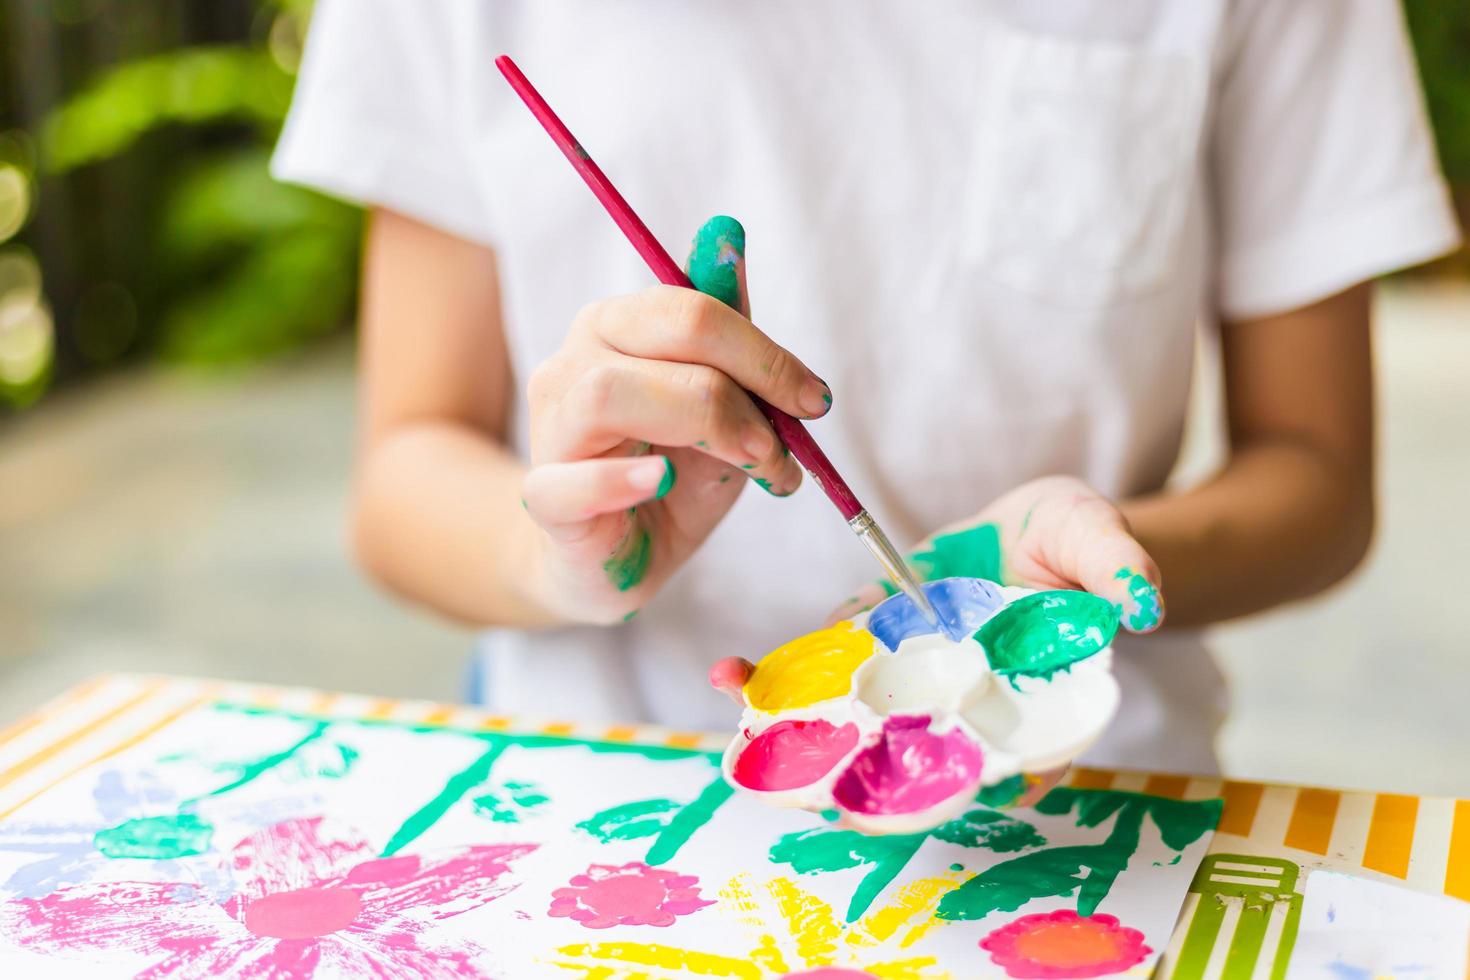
(632, 894)
(304, 900)
(1063, 944)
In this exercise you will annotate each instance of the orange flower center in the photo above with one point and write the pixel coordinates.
(1063, 944)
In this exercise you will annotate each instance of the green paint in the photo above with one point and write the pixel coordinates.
(514, 800)
(629, 617)
(725, 478)
(821, 850)
(1002, 793)
(956, 867)
(260, 767)
(1257, 904)
(630, 821)
(1026, 521)
(667, 483)
(972, 553)
(458, 785)
(991, 830)
(1047, 632)
(747, 466)
(629, 563)
(156, 838)
(688, 820)
(1089, 870)
(1147, 609)
(715, 259)
(701, 443)
(827, 396)
(888, 587)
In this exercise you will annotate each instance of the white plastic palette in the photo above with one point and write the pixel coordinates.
(897, 727)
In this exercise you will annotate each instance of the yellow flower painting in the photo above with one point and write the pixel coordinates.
(794, 934)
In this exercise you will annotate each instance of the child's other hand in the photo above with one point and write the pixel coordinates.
(642, 433)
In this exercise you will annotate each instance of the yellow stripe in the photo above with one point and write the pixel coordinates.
(125, 744)
(62, 744)
(323, 702)
(268, 697)
(440, 715)
(620, 733)
(557, 728)
(1457, 877)
(684, 740)
(1084, 778)
(495, 723)
(1242, 800)
(1391, 834)
(380, 710)
(1312, 818)
(1170, 786)
(78, 693)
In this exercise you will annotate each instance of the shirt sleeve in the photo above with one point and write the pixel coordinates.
(1323, 164)
(378, 115)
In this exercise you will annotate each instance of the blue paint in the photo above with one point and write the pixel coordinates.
(963, 605)
(1346, 971)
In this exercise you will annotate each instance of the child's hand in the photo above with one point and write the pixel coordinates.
(642, 432)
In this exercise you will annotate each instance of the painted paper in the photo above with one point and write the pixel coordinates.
(202, 836)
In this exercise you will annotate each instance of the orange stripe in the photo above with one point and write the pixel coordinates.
(1457, 878)
(323, 702)
(380, 709)
(620, 733)
(1084, 778)
(1391, 834)
(684, 740)
(125, 744)
(495, 723)
(268, 697)
(1242, 800)
(50, 709)
(439, 715)
(557, 728)
(62, 744)
(1170, 786)
(1312, 818)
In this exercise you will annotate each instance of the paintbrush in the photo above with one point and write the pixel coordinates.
(790, 431)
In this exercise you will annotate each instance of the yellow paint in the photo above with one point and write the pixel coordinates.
(664, 957)
(736, 896)
(810, 921)
(916, 968)
(809, 669)
(916, 898)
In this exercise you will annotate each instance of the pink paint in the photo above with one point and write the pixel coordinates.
(632, 894)
(909, 769)
(304, 901)
(830, 973)
(1061, 945)
(793, 753)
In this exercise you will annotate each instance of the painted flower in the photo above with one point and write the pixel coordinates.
(795, 935)
(302, 901)
(632, 894)
(1064, 944)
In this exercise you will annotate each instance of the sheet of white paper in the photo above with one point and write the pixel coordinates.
(238, 839)
(1357, 929)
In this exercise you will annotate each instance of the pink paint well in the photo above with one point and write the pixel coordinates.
(909, 769)
(791, 754)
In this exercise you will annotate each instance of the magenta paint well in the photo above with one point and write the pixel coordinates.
(909, 769)
(791, 754)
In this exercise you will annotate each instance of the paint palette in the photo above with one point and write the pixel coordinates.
(898, 726)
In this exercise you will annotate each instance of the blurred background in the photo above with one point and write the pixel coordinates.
(176, 411)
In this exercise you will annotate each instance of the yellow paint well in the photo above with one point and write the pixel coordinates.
(811, 668)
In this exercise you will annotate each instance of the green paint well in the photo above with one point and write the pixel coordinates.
(1002, 793)
(156, 838)
(1088, 870)
(1147, 609)
(629, 563)
(1047, 632)
(715, 259)
(689, 820)
(667, 483)
(972, 553)
(630, 821)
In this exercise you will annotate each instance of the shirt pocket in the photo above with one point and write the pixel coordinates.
(1083, 155)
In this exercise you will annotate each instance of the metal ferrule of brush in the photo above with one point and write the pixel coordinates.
(888, 556)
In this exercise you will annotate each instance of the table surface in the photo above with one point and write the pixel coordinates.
(1421, 843)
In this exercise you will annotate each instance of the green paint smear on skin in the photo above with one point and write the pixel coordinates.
(1147, 610)
(630, 821)
(1089, 870)
(972, 553)
(714, 261)
(1047, 632)
(629, 563)
(689, 820)
(156, 838)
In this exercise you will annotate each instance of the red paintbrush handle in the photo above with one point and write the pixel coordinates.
(790, 431)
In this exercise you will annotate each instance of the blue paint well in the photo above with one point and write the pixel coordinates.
(963, 605)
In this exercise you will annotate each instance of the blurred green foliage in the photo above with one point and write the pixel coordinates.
(1441, 33)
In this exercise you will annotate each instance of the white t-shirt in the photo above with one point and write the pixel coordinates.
(990, 226)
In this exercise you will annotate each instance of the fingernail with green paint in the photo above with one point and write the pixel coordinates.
(1147, 605)
(716, 258)
(816, 398)
(655, 474)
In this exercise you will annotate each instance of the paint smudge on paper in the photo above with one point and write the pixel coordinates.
(303, 900)
(156, 838)
(811, 668)
(632, 894)
(1047, 632)
(1146, 608)
(630, 821)
(512, 802)
(909, 769)
(790, 754)
(1061, 944)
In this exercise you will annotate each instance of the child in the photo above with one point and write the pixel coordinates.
(981, 236)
